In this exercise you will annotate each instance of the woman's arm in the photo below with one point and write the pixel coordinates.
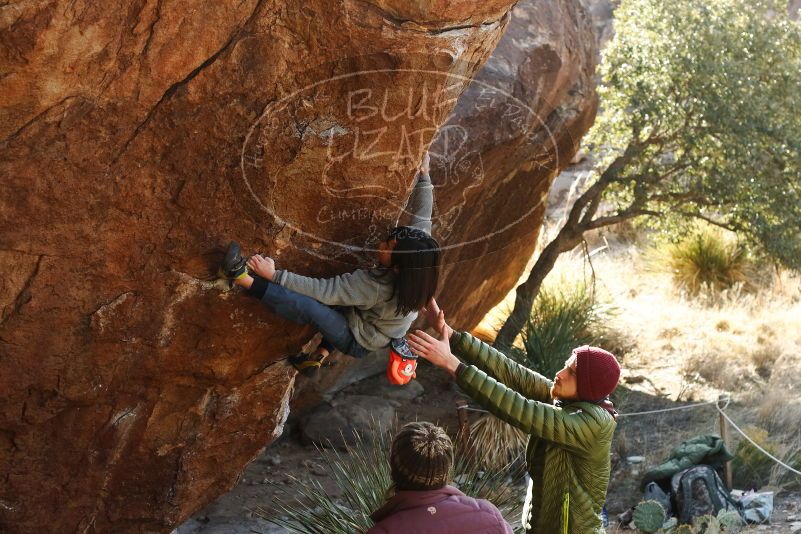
(575, 430)
(358, 288)
(474, 352)
(528, 383)
(350, 289)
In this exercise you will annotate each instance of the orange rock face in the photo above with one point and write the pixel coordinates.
(512, 131)
(516, 127)
(136, 138)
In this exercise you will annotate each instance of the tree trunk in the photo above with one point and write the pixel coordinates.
(567, 239)
(578, 221)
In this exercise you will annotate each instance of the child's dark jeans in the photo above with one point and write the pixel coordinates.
(300, 309)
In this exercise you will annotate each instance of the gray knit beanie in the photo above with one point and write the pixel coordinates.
(421, 457)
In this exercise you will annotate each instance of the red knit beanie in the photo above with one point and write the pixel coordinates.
(597, 373)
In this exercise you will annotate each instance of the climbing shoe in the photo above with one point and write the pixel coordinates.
(307, 364)
(234, 266)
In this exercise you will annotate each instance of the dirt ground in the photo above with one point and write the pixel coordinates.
(271, 476)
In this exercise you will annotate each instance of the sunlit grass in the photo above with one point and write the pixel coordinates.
(706, 261)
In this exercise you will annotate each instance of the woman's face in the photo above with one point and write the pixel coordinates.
(385, 249)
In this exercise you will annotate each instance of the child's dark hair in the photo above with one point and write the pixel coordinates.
(416, 261)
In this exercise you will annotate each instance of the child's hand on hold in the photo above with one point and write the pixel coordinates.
(263, 266)
(424, 166)
(435, 318)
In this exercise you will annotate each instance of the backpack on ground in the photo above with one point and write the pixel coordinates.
(699, 491)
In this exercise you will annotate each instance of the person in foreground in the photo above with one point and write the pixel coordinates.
(421, 458)
(570, 420)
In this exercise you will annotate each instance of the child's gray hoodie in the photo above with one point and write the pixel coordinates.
(368, 294)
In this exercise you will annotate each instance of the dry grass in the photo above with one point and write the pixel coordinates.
(496, 444)
(733, 342)
(707, 261)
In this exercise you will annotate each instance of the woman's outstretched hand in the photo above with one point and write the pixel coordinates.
(436, 350)
(263, 266)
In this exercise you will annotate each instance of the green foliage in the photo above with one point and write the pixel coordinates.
(751, 468)
(724, 522)
(787, 479)
(705, 259)
(706, 524)
(700, 108)
(730, 521)
(649, 516)
(561, 319)
(363, 476)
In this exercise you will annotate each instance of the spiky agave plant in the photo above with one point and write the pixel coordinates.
(706, 259)
(361, 473)
(564, 317)
(494, 443)
(363, 477)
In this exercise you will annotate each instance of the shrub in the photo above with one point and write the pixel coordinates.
(751, 468)
(496, 443)
(783, 478)
(706, 259)
(362, 474)
(561, 319)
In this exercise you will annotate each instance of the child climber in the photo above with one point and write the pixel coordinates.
(362, 311)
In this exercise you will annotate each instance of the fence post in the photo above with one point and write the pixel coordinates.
(724, 434)
(464, 424)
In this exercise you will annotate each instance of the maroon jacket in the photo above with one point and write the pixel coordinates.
(442, 511)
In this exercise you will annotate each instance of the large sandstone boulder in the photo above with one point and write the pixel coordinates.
(514, 129)
(136, 138)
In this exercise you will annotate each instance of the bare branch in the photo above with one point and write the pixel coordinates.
(620, 217)
(726, 226)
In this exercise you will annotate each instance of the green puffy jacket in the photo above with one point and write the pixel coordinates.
(567, 455)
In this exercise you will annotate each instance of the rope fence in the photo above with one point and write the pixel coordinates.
(725, 400)
(755, 444)
(672, 409)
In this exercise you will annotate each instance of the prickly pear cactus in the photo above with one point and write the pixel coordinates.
(683, 529)
(706, 524)
(730, 522)
(649, 516)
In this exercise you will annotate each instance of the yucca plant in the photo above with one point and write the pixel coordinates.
(495, 443)
(562, 319)
(361, 473)
(363, 476)
(706, 259)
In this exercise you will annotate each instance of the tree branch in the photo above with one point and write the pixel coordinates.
(726, 226)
